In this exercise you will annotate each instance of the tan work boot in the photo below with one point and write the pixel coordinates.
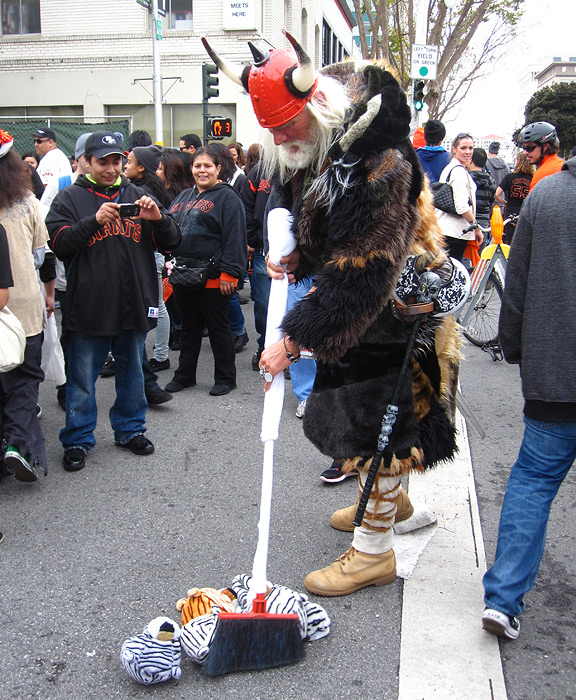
(352, 571)
(342, 519)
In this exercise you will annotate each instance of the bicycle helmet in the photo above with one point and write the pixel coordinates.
(537, 132)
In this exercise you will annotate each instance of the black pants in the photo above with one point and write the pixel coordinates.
(455, 246)
(199, 308)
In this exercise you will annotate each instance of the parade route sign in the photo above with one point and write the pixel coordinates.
(424, 62)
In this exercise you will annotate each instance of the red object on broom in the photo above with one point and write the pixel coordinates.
(259, 639)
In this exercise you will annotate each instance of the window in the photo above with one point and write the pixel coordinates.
(20, 16)
(179, 13)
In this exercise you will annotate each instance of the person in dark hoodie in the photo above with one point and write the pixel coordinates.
(485, 189)
(432, 156)
(112, 293)
(213, 224)
(495, 165)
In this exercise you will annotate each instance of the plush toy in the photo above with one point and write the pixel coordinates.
(198, 632)
(201, 601)
(153, 656)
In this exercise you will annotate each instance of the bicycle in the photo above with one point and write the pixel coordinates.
(480, 315)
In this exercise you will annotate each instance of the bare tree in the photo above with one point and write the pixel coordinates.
(470, 37)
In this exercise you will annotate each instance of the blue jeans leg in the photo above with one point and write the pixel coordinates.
(260, 293)
(85, 355)
(546, 454)
(302, 373)
(235, 316)
(128, 414)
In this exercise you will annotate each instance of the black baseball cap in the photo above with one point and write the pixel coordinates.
(44, 133)
(104, 143)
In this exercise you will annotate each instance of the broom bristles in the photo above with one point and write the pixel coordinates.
(253, 641)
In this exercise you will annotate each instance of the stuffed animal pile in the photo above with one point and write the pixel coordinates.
(154, 655)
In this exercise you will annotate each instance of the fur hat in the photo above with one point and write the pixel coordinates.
(148, 157)
(434, 131)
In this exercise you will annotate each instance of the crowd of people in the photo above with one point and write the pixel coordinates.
(174, 233)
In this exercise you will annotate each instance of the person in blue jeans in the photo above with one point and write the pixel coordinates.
(302, 373)
(538, 332)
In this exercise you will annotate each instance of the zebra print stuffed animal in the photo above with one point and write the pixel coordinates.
(153, 656)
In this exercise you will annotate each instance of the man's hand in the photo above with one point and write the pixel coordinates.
(49, 302)
(288, 264)
(107, 213)
(148, 209)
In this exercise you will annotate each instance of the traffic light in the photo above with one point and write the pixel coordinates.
(220, 128)
(209, 81)
(418, 94)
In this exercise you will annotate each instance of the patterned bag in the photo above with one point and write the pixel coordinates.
(190, 274)
(444, 194)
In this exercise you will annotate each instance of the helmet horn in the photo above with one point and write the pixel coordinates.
(304, 75)
(260, 57)
(229, 69)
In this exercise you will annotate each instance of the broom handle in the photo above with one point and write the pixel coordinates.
(260, 565)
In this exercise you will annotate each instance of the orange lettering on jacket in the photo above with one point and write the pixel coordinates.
(128, 228)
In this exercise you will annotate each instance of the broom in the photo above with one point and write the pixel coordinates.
(258, 640)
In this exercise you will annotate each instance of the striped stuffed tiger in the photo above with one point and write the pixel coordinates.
(153, 656)
(197, 634)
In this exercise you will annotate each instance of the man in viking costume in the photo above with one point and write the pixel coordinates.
(346, 170)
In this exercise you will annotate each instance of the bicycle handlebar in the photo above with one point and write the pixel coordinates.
(512, 219)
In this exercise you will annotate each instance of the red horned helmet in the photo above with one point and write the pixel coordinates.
(280, 82)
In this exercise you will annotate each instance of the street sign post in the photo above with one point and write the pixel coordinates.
(424, 62)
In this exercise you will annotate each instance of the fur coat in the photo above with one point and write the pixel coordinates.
(355, 224)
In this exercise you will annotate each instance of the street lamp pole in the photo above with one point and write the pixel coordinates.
(157, 74)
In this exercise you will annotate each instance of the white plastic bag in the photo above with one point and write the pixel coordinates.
(52, 355)
(12, 341)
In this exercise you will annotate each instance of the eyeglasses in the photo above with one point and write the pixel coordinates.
(529, 149)
(40, 140)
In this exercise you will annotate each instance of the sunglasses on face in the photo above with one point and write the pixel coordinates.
(529, 149)
(40, 140)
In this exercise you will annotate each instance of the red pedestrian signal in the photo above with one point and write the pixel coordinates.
(220, 128)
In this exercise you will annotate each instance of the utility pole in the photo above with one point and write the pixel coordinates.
(157, 74)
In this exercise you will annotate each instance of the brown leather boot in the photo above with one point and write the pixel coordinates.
(342, 519)
(352, 571)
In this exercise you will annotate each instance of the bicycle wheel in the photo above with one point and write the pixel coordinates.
(482, 325)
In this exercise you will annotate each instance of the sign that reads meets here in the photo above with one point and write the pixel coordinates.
(424, 62)
(239, 14)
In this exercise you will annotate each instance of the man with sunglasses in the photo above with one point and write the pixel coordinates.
(540, 143)
(53, 165)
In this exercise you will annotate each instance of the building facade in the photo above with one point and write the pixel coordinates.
(62, 58)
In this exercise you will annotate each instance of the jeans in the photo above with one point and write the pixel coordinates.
(162, 331)
(86, 354)
(546, 454)
(302, 373)
(235, 316)
(260, 293)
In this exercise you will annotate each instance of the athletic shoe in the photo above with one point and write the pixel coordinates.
(158, 365)
(500, 624)
(139, 445)
(157, 396)
(23, 470)
(174, 386)
(301, 410)
(256, 360)
(221, 389)
(109, 367)
(74, 459)
(240, 342)
(334, 474)
(38, 410)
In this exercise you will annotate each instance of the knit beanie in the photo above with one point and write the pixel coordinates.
(494, 148)
(434, 131)
(148, 157)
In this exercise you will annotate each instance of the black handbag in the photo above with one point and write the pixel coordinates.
(191, 273)
(444, 195)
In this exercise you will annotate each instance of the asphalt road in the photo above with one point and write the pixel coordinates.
(89, 558)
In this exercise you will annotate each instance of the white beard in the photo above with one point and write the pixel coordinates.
(297, 155)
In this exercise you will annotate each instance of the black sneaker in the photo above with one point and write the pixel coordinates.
(334, 474)
(109, 367)
(23, 470)
(157, 396)
(139, 445)
(240, 342)
(500, 624)
(256, 360)
(38, 410)
(74, 459)
(158, 365)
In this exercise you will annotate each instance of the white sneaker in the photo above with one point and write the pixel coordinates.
(301, 410)
(500, 624)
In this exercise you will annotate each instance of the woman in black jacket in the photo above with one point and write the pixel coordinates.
(213, 224)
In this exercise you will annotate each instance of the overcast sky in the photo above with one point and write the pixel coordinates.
(548, 29)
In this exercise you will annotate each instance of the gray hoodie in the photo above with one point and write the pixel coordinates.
(538, 318)
(497, 168)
